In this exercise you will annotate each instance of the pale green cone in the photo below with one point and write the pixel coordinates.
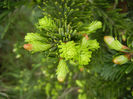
(62, 70)
(122, 59)
(112, 43)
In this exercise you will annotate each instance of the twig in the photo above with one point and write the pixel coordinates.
(67, 91)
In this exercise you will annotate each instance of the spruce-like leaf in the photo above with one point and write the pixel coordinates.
(30, 37)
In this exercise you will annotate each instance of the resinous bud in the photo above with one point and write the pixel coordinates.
(28, 47)
(114, 44)
(122, 59)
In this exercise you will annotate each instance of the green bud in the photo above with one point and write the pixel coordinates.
(114, 44)
(94, 26)
(90, 28)
(90, 44)
(39, 46)
(62, 70)
(122, 59)
(108, 40)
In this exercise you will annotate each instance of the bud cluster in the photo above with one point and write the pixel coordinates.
(116, 45)
(60, 35)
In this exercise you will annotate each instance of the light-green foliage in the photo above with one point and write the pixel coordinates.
(46, 24)
(90, 44)
(30, 37)
(91, 28)
(84, 56)
(78, 52)
(93, 44)
(39, 46)
(63, 36)
(36, 41)
(68, 50)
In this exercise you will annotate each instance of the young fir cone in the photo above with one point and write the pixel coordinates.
(122, 59)
(62, 70)
(114, 44)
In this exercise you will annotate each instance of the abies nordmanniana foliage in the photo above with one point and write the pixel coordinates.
(87, 43)
(64, 33)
